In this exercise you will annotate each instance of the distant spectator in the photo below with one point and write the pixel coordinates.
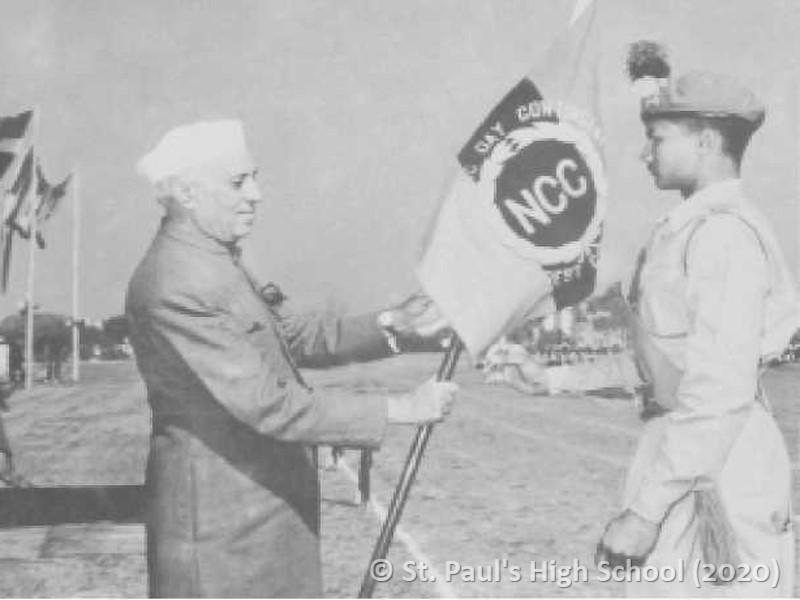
(16, 363)
(8, 473)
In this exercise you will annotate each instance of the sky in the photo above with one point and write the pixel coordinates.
(355, 111)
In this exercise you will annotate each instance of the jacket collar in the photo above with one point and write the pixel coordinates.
(727, 194)
(184, 231)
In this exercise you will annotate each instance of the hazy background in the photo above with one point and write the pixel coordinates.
(355, 110)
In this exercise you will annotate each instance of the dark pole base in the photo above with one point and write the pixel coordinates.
(445, 373)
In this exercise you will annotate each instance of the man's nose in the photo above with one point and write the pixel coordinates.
(251, 191)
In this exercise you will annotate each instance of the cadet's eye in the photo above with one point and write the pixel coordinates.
(238, 181)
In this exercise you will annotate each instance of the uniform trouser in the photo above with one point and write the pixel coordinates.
(755, 489)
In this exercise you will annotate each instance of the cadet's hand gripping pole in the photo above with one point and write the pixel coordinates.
(445, 373)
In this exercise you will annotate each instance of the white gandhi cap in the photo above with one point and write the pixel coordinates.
(196, 145)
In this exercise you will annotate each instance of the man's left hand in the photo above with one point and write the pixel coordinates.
(627, 537)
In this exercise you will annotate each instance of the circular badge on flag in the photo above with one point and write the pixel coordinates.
(543, 190)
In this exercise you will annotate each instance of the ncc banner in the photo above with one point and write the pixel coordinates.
(518, 233)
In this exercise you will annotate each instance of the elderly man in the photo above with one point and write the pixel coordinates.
(234, 498)
(711, 479)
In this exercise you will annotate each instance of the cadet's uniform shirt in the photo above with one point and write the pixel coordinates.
(714, 297)
(233, 492)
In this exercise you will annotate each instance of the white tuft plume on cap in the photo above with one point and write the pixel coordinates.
(646, 87)
(195, 145)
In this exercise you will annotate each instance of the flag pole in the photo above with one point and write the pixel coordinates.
(76, 215)
(407, 477)
(797, 182)
(29, 306)
(31, 257)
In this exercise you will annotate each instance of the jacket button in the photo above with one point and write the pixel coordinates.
(282, 383)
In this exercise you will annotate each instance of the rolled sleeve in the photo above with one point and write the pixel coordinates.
(726, 288)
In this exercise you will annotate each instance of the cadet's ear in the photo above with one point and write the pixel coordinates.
(710, 140)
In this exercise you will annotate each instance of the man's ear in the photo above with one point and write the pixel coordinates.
(183, 191)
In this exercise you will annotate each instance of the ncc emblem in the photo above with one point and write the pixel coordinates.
(544, 191)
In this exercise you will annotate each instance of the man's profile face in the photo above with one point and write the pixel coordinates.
(225, 202)
(671, 153)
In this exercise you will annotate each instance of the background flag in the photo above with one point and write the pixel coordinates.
(23, 202)
(518, 234)
(42, 204)
(22, 198)
(14, 199)
(16, 136)
(16, 139)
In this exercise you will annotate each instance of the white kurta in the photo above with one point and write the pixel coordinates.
(714, 299)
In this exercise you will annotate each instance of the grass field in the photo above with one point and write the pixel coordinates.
(508, 477)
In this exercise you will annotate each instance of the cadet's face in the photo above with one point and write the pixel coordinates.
(225, 203)
(671, 154)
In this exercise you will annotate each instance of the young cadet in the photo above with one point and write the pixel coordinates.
(712, 298)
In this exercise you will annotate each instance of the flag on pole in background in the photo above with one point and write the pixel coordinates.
(519, 231)
(41, 205)
(29, 196)
(21, 197)
(16, 136)
(52, 197)
(16, 140)
(14, 196)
